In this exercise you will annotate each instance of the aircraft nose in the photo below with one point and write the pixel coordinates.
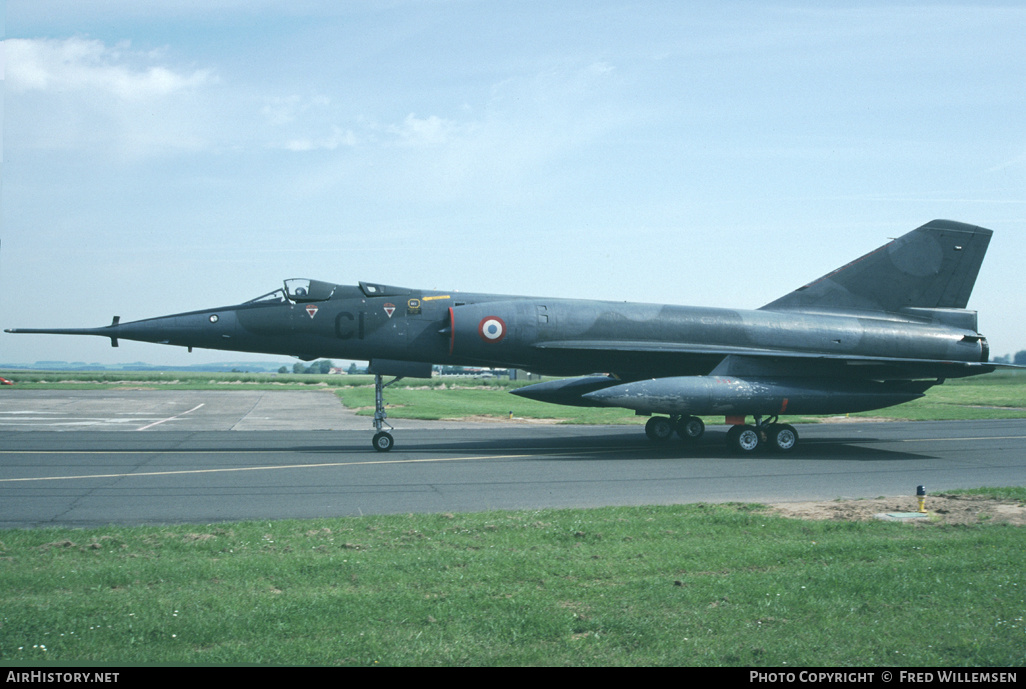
(201, 329)
(221, 323)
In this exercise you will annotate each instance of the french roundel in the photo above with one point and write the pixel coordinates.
(492, 329)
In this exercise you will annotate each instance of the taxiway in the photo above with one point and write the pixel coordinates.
(86, 458)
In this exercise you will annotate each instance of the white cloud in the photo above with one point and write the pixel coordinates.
(301, 124)
(529, 124)
(338, 137)
(79, 64)
(85, 95)
(1012, 163)
(507, 148)
(429, 131)
(282, 111)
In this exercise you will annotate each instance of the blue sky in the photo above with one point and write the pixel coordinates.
(164, 156)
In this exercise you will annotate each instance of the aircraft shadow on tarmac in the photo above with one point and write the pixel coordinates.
(626, 446)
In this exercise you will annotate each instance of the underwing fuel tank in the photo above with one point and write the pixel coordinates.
(569, 391)
(729, 395)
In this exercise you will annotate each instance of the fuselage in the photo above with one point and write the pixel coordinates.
(553, 336)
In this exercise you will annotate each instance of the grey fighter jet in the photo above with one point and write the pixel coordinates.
(876, 332)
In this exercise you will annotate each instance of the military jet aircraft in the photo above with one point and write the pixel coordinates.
(876, 332)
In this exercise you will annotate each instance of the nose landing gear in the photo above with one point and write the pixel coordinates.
(383, 440)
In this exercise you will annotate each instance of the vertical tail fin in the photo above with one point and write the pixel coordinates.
(932, 267)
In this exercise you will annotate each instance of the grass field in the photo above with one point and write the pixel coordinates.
(1002, 395)
(688, 585)
(997, 395)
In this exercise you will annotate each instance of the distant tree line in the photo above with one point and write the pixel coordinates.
(321, 367)
(324, 366)
(1019, 358)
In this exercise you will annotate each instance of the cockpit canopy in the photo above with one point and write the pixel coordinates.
(300, 291)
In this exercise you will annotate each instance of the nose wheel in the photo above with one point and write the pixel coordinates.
(383, 441)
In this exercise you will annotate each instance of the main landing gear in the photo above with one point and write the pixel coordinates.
(383, 440)
(744, 439)
(660, 428)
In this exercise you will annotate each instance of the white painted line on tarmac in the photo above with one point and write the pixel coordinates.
(172, 418)
(951, 440)
(322, 465)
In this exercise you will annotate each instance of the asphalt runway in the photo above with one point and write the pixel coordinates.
(87, 458)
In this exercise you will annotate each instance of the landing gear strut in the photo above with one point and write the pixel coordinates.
(383, 440)
(780, 437)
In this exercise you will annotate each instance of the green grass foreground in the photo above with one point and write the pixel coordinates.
(716, 585)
